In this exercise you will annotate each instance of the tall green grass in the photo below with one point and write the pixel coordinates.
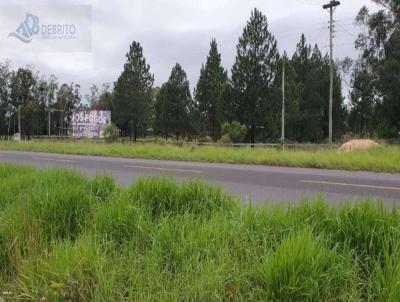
(64, 237)
(382, 159)
(304, 267)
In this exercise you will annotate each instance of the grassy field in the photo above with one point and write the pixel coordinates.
(64, 237)
(383, 159)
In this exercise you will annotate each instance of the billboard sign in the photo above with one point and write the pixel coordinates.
(90, 123)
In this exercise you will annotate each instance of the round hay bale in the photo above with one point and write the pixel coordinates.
(358, 144)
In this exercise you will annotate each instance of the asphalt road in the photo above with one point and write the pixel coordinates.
(255, 184)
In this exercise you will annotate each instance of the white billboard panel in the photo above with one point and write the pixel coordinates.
(90, 123)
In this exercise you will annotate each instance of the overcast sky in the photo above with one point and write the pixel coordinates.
(173, 31)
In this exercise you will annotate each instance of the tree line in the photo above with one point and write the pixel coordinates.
(249, 96)
(375, 74)
(31, 95)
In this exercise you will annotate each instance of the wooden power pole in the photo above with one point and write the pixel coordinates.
(331, 7)
(283, 104)
(19, 120)
(49, 119)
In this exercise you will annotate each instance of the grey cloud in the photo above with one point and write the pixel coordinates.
(180, 31)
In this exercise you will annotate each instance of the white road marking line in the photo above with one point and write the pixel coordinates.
(54, 159)
(164, 169)
(351, 185)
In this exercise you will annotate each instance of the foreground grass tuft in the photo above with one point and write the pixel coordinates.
(71, 271)
(164, 197)
(64, 237)
(303, 267)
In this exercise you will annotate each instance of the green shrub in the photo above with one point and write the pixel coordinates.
(235, 131)
(111, 133)
(225, 139)
(205, 139)
(304, 268)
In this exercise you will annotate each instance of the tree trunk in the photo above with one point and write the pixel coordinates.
(362, 126)
(214, 132)
(134, 130)
(253, 134)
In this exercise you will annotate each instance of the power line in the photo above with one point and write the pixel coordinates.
(321, 30)
(351, 34)
(310, 3)
(300, 27)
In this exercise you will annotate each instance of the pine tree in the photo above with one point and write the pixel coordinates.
(254, 72)
(133, 92)
(210, 92)
(180, 99)
(163, 112)
(311, 96)
(175, 108)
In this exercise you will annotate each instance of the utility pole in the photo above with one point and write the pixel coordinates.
(50, 111)
(19, 120)
(49, 120)
(331, 6)
(283, 105)
(49, 132)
